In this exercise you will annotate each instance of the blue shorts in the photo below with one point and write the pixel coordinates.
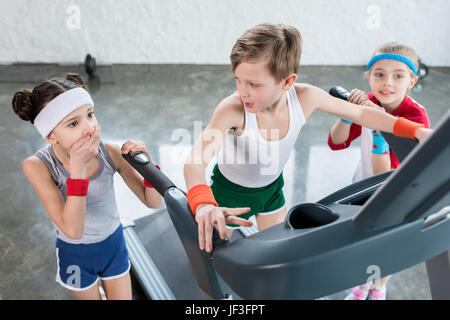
(81, 265)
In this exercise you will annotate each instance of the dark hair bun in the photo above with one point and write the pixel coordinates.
(75, 78)
(23, 106)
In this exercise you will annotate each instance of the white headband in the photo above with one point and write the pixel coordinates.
(57, 109)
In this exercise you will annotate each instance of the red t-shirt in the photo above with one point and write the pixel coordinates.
(409, 109)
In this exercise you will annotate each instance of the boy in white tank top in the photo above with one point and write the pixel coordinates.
(266, 112)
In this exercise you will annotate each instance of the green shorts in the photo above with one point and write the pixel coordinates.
(263, 200)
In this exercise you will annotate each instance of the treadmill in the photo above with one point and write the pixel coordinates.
(390, 221)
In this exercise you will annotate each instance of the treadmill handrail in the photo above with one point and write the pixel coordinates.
(150, 172)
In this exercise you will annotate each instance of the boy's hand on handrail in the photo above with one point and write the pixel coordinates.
(422, 134)
(209, 216)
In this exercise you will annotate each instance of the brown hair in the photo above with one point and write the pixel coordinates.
(28, 103)
(281, 44)
(400, 49)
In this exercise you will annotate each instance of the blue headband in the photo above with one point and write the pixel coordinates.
(391, 56)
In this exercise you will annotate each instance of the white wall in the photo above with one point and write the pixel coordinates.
(336, 32)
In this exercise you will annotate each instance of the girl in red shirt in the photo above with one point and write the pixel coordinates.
(391, 72)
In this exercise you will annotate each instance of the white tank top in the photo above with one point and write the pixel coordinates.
(364, 169)
(251, 161)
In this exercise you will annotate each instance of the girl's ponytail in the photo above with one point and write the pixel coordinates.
(23, 106)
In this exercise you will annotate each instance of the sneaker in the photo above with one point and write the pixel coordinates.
(358, 293)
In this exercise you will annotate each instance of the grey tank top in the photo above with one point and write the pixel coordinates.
(102, 215)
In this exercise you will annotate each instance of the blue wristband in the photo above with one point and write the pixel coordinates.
(346, 121)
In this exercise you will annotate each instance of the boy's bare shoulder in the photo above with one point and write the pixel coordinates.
(310, 92)
(308, 96)
(304, 89)
(230, 111)
(232, 103)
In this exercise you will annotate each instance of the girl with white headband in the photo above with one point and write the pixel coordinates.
(391, 72)
(73, 178)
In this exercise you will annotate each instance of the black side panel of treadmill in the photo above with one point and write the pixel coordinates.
(401, 146)
(187, 229)
(285, 263)
(349, 194)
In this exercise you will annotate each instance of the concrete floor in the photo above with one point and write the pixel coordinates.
(158, 104)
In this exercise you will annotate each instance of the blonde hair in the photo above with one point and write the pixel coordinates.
(400, 49)
(281, 44)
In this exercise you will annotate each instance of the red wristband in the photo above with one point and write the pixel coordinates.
(148, 185)
(200, 194)
(77, 187)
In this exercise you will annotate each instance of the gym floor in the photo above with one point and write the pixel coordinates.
(158, 104)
